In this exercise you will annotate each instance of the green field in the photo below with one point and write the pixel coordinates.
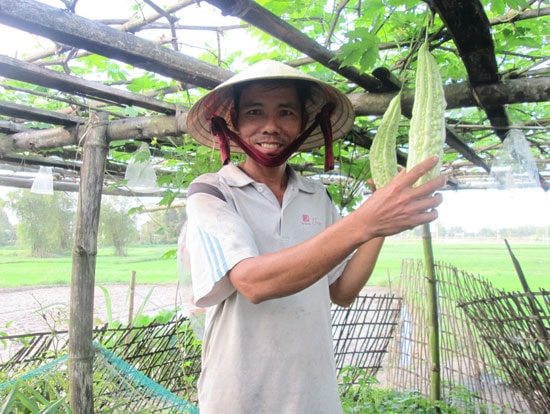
(489, 260)
(18, 269)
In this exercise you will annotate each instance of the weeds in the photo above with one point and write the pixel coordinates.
(358, 395)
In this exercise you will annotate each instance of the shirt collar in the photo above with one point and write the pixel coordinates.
(235, 177)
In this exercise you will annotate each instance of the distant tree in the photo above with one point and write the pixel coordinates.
(441, 231)
(7, 231)
(163, 227)
(487, 232)
(117, 228)
(46, 222)
(455, 231)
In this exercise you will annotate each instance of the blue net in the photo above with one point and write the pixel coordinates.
(118, 387)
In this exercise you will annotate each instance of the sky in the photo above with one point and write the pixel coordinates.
(476, 209)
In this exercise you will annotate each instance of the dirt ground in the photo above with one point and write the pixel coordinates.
(43, 308)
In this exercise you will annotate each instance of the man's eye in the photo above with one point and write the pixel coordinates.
(253, 112)
(286, 112)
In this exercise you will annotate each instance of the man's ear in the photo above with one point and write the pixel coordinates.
(234, 118)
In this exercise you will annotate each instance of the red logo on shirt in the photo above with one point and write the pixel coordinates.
(310, 221)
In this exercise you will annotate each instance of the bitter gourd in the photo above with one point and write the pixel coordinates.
(382, 154)
(427, 128)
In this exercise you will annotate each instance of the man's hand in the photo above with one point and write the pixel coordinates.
(399, 206)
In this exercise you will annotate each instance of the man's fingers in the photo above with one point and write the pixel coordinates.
(420, 169)
(433, 185)
(429, 203)
(425, 217)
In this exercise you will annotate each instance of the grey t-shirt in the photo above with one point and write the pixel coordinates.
(276, 356)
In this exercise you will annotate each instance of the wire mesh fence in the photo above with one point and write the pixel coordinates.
(168, 354)
(473, 363)
(516, 328)
(362, 332)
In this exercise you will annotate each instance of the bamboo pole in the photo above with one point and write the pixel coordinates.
(542, 333)
(433, 318)
(132, 296)
(81, 353)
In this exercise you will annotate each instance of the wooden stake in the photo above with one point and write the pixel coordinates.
(132, 294)
(81, 352)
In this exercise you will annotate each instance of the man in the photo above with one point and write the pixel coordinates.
(268, 251)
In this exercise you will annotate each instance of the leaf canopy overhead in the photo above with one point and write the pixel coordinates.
(493, 58)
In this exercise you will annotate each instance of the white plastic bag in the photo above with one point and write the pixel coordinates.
(514, 164)
(140, 174)
(43, 183)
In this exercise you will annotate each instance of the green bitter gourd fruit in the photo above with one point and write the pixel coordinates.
(427, 130)
(382, 154)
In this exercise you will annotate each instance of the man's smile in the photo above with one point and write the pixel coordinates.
(268, 145)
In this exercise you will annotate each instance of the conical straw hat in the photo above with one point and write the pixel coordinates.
(219, 101)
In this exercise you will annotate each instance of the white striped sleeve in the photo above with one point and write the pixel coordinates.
(217, 239)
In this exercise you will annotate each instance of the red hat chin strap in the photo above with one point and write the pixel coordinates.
(219, 129)
(323, 118)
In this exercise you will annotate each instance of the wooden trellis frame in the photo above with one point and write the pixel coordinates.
(465, 21)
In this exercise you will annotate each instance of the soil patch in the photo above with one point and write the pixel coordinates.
(44, 308)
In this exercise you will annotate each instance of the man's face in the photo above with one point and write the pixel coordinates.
(269, 118)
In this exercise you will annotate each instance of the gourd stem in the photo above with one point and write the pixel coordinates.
(433, 318)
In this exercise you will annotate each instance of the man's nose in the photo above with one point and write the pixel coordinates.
(271, 125)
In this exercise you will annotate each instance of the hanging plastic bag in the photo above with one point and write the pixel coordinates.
(140, 174)
(514, 165)
(196, 315)
(43, 182)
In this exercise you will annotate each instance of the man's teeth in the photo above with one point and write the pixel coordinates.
(270, 146)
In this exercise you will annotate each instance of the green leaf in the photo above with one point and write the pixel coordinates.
(498, 6)
(170, 254)
(361, 50)
(139, 311)
(108, 304)
(8, 405)
(53, 408)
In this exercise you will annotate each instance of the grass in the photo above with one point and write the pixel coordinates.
(19, 269)
(489, 260)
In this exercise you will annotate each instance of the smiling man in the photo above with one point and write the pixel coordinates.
(269, 117)
(268, 251)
